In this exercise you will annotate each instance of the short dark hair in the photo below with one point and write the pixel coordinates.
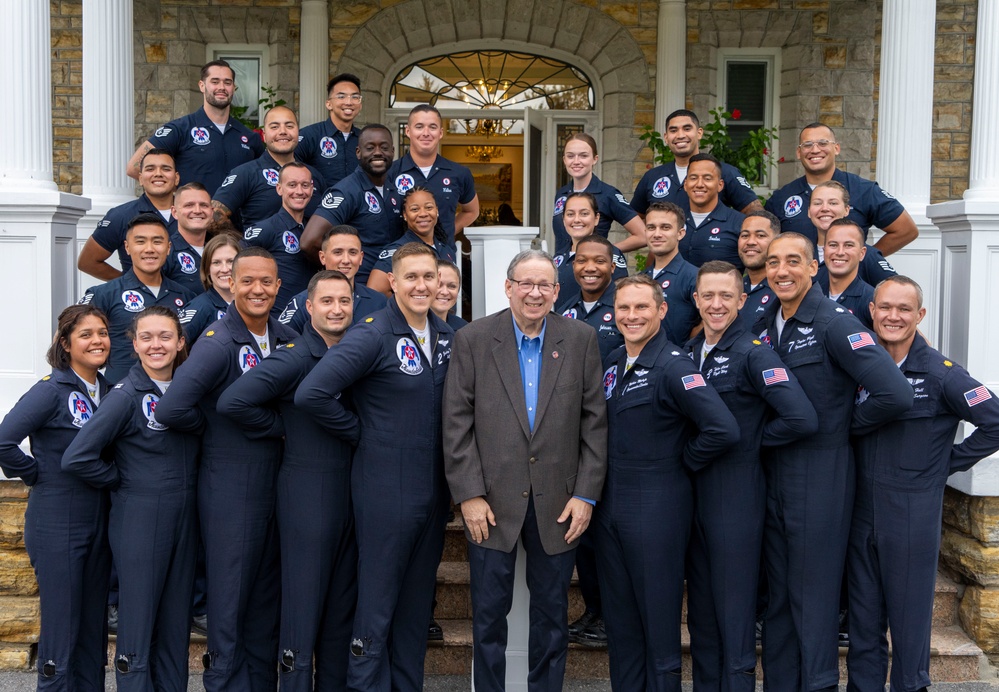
(598, 240)
(324, 275)
(424, 108)
(193, 185)
(170, 314)
(148, 218)
(343, 77)
(847, 221)
(58, 355)
(764, 214)
(835, 185)
(156, 152)
(706, 157)
(252, 251)
(806, 241)
(374, 126)
(216, 63)
(717, 267)
(412, 250)
(812, 126)
(668, 207)
(642, 280)
(683, 113)
(341, 229)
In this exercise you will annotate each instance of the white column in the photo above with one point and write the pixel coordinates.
(37, 222)
(26, 80)
(108, 114)
(671, 59)
(314, 61)
(983, 182)
(970, 239)
(905, 131)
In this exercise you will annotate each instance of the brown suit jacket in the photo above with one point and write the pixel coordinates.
(489, 449)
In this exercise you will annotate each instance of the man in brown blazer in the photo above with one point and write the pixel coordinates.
(525, 453)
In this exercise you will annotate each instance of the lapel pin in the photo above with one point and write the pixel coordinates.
(554, 354)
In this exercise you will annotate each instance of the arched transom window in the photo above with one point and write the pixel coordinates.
(492, 79)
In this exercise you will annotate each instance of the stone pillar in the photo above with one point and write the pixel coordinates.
(108, 114)
(37, 222)
(492, 249)
(671, 59)
(905, 128)
(970, 335)
(313, 62)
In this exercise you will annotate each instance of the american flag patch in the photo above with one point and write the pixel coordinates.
(774, 376)
(977, 395)
(859, 340)
(692, 381)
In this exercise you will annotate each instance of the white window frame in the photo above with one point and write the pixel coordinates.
(213, 51)
(771, 116)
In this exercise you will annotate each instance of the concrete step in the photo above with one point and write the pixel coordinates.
(953, 656)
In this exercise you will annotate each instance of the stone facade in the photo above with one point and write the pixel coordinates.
(18, 590)
(67, 97)
(970, 550)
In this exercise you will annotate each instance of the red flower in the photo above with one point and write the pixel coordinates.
(765, 151)
(780, 160)
(736, 114)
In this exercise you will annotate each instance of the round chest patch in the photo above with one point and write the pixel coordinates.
(373, 205)
(404, 183)
(409, 356)
(290, 241)
(247, 359)
(187, 263)
(133, 301)
(79, 408)
(271, 176)
(327, 147)
(608, 316)
(792, 207)
(660, 188)
(200, 136)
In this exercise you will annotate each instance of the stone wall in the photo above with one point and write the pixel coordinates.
(18, 590)
(970, 550)
(67, 97)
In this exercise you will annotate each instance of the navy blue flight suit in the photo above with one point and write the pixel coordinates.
(567, 280)
(153, 528)
(281, 235)
(110, 232)
(183, 264)
(121, 300)
(451, 183)
(323, 146)
(600, 317)
(201, 152)
(856, 298)
(679, 281)
(201, 312)
(642, 524)
(384, 261)
(662, 184)
(717, 238)
(874, 268)
(757, 299)
(611, 205)
(456, 322)
(65, 531)
(869, 204)
(730, 496)
(356, 201)
(398, 488)
(366, 301)
(250, 192)
(811, 484)
(902, 468)
(314, 516)
(235, 506)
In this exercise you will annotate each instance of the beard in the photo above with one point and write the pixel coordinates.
(211, 100)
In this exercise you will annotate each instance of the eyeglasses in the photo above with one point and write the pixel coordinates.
(526, 287)
(820, 143)
(356, 98)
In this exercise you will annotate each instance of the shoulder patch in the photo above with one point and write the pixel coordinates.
(46, 378)
(210, 332)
